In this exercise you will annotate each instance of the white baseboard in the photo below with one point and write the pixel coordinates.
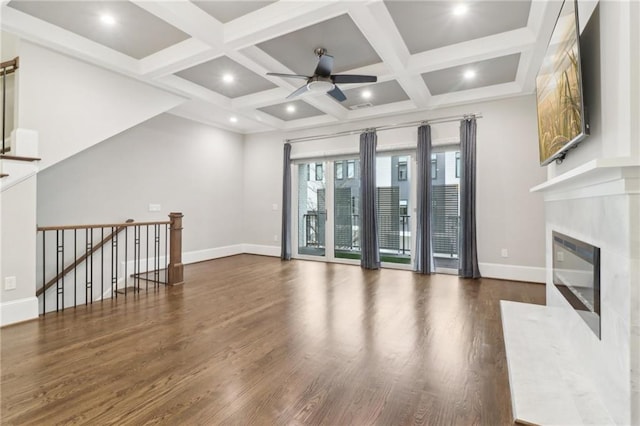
(261, 250)
(513, 272)
(18, 310)
(212, 253)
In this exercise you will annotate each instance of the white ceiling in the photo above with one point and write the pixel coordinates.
(420, 51)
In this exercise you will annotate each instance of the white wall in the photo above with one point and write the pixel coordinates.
(180, 164)
(18, 248)
(508, 215)
(606, 212)
(74, 105)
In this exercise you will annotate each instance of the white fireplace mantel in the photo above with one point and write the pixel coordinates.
(599, 177)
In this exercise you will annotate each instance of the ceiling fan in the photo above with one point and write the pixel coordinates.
(323, 81)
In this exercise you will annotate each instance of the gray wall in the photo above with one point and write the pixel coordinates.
(509, 216)
(177, 163)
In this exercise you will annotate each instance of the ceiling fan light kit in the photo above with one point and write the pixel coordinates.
(323, 81)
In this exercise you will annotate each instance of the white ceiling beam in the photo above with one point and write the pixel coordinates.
(370, 18)
(319, 120)
(260, 99)
(381, 110)
(489, 47)
(61, 40)
(195, 91)
(277, 19)
(175, 58)
(480, 94)
(541, 22)
(188, 18)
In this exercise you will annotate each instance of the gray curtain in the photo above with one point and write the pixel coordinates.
(286, 203)
(424, 253)
(468, 246)
(368, 214)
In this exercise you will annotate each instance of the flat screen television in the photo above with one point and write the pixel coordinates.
(562, 121)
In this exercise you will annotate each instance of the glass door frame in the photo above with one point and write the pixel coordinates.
(329, 176)
(329, 237)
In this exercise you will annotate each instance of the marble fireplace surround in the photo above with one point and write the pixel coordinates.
(560, 372)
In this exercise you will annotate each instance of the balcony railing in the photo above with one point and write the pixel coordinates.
(394, 232)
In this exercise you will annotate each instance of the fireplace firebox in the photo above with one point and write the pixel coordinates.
(576, 274)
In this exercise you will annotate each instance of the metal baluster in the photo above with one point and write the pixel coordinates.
(156, 260)
(114, 263)
(136, 253)
(101, 265)
(88, 280)
(126, 258)
(44, 269)
(147, 260)
(75, 269)
(4, 104)
(166, 255)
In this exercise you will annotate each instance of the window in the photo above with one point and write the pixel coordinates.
(434, 167)
(319, 174)
(458, 164)
(402, 168)
(404, 210)
(339, 170)
(351, 169)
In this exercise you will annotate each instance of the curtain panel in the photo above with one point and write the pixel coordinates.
(368, 210)
(468, 245)
(424, 252)
(286, 203)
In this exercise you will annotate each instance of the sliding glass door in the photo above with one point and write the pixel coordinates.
(393, 181)
(346, 205)
(328, 205)
(445, 212)
(312, 209)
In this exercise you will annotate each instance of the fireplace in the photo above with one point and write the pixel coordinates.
(576, 274)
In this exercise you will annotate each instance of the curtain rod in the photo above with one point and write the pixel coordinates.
(387, 127)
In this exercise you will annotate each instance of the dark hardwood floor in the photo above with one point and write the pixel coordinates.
(253, 340)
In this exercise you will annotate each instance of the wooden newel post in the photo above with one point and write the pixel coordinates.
(176, 269)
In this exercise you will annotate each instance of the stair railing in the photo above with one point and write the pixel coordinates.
(6, 68)
(90, 263)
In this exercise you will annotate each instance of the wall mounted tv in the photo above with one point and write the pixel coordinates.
(562, 122)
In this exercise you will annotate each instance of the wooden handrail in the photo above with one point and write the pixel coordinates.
(12, 65)
(18, 158)
(82, 258)
(102, 225)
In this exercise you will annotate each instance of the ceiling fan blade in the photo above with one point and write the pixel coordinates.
(299, 91)
(337, 94)
(277, 74)
(325, 65)
(353, 78)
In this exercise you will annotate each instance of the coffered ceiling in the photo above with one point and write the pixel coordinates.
(426, 54)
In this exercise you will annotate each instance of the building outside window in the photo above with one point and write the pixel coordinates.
(402, 168)
(351, 169)
(458, 164)
(434, 167)
(319, 172)
(339, 170)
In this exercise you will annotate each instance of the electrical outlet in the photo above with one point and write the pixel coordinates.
(154, 207)
(10, 283)
(505, 253)
(560, 256)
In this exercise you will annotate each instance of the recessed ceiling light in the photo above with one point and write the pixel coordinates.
(107, 19)
(469, 74)
(460, 9)
(233, 119)
(291, 108)
(227, 78)
(366, 94)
